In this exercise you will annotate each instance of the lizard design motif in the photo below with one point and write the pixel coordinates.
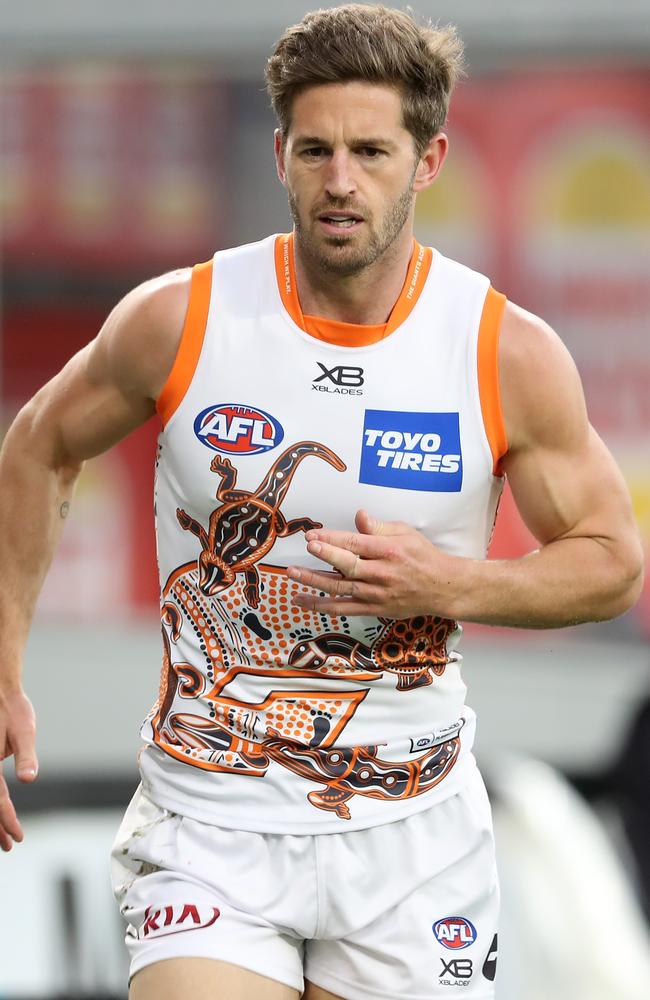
(412, 648)
(247, 524)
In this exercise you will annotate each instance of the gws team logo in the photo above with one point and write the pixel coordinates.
(236, 429)
(175, 919)
(412, 451)
(490, 963)
(455, 933)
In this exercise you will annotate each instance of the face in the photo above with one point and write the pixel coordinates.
(351, 173)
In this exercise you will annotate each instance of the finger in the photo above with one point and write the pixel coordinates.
(23, 743)
(336, 607)
(366, 546)
(9, 826)
(342, 560)
(330, 583)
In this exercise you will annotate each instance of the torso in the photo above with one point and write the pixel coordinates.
(271, 717)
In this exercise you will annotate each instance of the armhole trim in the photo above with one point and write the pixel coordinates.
(488, 376)
(189, 348)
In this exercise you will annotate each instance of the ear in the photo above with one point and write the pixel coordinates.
(279, 155)
(431, 161)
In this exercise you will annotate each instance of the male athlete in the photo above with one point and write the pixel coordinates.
(339, 409)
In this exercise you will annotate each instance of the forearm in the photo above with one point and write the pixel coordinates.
(566, 582)
(36, 487)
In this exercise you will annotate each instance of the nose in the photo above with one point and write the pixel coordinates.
(339, 180)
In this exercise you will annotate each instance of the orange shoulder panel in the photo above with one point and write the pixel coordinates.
(488, 376)
(191, 342)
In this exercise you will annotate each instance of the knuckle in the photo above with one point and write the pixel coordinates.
(352, 542)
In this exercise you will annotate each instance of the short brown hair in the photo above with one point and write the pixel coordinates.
(373, 43)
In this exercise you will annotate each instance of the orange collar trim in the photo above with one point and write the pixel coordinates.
(349, 334)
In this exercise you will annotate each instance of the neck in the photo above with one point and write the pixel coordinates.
(366, 297)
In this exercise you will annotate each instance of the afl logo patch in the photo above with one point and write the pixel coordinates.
(455, 932)
(236, 429)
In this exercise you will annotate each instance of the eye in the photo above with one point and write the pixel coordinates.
(370, 152)
(314, 152)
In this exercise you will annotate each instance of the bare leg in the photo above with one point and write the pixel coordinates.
(206, 979)
(313, 992)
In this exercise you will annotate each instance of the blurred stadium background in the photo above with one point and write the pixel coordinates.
(137, 137)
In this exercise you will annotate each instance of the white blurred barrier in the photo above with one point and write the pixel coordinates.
(60, 930)
(570, 927)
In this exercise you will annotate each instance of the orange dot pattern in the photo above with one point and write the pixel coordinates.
(224, 638)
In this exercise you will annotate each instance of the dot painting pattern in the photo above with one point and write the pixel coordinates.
(292, 657)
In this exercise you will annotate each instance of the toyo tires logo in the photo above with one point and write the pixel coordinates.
(237, 429)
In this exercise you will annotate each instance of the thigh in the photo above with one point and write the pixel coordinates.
(205, 979)
(313, 992)
(183, 892)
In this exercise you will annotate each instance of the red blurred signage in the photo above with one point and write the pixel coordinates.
(107, 166)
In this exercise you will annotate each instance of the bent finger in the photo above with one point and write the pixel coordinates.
(25, 761)
(10, 828)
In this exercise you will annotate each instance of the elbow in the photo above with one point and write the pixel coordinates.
(626, 583)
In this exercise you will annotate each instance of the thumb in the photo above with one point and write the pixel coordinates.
(367, 525)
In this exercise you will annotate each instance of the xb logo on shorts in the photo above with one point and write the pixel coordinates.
(455, 932)
(459, 968)
(412, 451)
(237, 429)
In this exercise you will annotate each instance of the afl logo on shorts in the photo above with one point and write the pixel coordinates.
(236, 429)
(455, 933)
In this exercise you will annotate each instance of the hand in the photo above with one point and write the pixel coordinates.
(385, 569)
(17, 737)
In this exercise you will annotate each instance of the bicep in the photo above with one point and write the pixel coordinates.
(77, 416)
(563, 479)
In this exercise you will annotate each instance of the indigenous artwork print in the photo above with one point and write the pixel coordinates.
(237, 610)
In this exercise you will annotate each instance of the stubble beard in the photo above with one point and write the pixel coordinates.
(335, 255)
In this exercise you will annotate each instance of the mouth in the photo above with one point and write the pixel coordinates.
(335, 223)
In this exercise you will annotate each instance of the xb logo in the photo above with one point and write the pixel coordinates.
(460, 968)
(340, 375)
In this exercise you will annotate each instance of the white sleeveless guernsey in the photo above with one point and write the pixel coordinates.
(270, 717)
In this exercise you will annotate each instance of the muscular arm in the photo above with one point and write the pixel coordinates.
(568, 490)
(104, 392)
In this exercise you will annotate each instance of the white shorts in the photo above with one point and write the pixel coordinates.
(402, 911)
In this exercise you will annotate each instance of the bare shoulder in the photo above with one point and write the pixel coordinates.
(541, 392)
(138, 343)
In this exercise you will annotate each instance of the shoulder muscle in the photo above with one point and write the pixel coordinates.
(541, 393)
(137, 345)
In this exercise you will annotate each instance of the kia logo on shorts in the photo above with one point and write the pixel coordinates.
(455, 933)
(237, 429)
(176, 918)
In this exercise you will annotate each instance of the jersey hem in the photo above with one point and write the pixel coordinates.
(463, 768)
